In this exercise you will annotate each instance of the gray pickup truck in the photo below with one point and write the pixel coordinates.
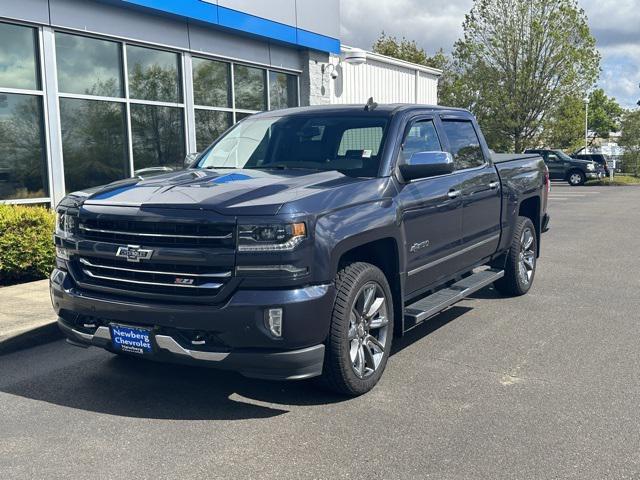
(300, 243)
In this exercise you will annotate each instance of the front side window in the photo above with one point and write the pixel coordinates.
(464, 142)
(89, 66)
(153, 75)
(348, 143)
(422, 137)
(18, 57)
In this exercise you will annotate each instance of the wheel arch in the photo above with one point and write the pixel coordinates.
(531, 209)
(384, 254)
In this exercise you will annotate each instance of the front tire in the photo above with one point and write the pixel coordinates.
(576, 178)
(520, 268)
(359, 341)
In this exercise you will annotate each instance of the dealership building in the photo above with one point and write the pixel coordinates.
(95, 91)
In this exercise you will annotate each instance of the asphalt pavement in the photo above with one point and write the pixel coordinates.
(537, 387)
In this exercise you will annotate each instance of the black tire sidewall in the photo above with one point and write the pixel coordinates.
(338, 345)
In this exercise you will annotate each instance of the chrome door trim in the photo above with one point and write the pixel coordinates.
(453, 255)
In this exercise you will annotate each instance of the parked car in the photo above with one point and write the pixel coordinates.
(598, 158)
(563, 167)
(300, 243)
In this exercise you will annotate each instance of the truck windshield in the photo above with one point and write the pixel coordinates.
(350, 143)
(563, 156)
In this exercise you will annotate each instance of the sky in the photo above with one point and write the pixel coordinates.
(615, 24)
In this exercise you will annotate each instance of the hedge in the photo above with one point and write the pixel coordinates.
(26, 243)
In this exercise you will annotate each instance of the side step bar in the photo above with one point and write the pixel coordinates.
(429, 306)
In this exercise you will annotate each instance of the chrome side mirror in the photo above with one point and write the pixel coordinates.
(426, 164)
(190, 159)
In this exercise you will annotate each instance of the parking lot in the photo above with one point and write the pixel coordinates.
(541, 386)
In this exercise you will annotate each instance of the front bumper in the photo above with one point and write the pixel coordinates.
(595, 175)
(242, 342)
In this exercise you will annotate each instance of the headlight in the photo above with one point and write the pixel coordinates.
(65, 224)
(591, 166)
(271, 237)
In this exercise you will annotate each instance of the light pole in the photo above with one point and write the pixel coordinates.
(586, 124)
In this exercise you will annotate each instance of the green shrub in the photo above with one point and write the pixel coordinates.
(26, 243)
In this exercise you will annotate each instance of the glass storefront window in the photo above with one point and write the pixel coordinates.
(250, 87)
(209, 126)
(283, 90)
(18, 57)
(23, 163)
(211, 83)
(94, 142)
(158, 136)
(89, 66)
(153, 75)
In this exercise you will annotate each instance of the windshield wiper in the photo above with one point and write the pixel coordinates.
(213, 167)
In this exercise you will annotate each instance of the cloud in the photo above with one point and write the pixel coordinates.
(435, 24)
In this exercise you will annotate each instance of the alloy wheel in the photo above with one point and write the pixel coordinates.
(368, 326)
(527, 257)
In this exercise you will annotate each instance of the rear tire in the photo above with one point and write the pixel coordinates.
(520, 268)
(576, 178)
(361, 332)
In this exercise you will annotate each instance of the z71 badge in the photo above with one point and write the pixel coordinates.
(133, 253)
(419, 246)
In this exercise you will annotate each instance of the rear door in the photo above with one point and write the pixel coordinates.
(431, 212)
(480, 191)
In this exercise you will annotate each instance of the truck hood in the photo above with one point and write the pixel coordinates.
(229, 192)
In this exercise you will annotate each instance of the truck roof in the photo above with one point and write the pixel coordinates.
(382, 109)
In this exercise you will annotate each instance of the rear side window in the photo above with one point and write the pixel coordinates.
(464, 142)
(360, 142)
(422, 137)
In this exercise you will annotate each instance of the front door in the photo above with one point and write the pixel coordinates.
(431, 211)
(557, 168)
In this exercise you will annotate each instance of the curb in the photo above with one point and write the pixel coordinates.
(30, 338)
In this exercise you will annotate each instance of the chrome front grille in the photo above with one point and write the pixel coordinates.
(149, 277)
(153, 233)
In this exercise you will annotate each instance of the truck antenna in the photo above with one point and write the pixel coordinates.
(370, 105)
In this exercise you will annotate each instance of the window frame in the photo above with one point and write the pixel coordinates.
(40, 93)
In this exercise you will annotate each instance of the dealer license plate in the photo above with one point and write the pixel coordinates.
(131, 339)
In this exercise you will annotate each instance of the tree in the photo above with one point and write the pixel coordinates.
(630, 141)
(517, 60)
(563, 128)
(604, 115)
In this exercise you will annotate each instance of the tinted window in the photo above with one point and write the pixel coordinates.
(249, 88)
(18, 57)
(23, 165)
(464, 143)
(283, 90)
(153, 75)
(361, 142)
(94, 142)
(422, 137)
(88, 66)
(211, 83)
(158, 136)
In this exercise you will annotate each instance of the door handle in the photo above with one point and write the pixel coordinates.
(454, 193)
(494, 185)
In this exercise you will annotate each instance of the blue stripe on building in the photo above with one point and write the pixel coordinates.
(243, 22)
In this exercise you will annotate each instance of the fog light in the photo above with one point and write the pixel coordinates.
(274, 321)
(62, 253)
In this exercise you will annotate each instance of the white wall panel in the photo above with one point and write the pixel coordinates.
(385, 81)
